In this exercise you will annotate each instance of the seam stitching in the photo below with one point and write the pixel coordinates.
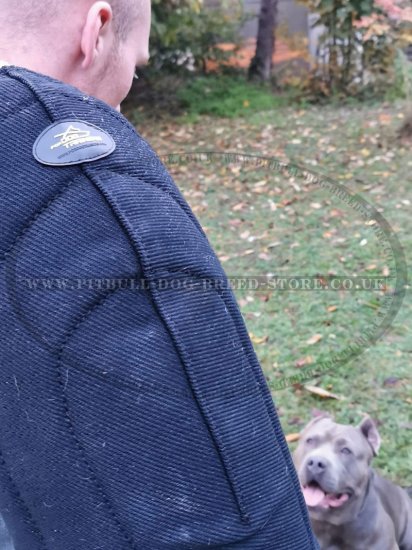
(37, 215)
(164, 191)
(233, 479)
(51, 115)
(182, 353)
(17, 493)
(139, 386)
(83, 317)
(248, 353)
(70, 425)
(129, 126)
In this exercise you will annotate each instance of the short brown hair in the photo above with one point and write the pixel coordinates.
(124, 15)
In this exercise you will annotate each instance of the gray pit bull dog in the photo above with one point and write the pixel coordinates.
(350, 506)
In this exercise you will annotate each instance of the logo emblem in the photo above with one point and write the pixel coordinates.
(72, 142)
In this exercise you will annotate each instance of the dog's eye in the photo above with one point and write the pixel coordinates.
(346, 451)
(309, 440)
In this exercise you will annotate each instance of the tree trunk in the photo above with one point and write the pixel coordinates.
(405, 131)
(262, 63)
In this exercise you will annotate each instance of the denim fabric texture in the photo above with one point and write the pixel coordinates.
(130, 418)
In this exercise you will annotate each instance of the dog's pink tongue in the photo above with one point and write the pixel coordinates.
(313, 495)
(335, 501)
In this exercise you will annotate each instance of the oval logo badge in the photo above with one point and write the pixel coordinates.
(72, 142)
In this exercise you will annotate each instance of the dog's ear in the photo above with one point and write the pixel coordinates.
(370, 431)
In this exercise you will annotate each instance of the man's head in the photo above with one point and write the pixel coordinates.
(91, 44)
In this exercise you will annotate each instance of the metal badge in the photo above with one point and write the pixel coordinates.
(72, 142)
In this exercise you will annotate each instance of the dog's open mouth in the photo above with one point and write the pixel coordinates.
(315, 496)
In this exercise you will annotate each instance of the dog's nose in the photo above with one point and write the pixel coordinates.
(316, 465)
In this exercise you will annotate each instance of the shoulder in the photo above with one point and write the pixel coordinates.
(49, 101)
(60, 100)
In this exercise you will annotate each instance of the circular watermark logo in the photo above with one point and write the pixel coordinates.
(353, 260)
(314, 265)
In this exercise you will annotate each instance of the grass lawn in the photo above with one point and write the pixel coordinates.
(262, 221)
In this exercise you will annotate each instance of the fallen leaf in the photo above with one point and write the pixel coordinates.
(385, 118)
(264, 256)
(322, 392)
(258, 339)
(291, 438)
(198, 208)
(308, 360)
(235, 223)
(331, 309)
(286, 202)
(314, 339)
(261, 183)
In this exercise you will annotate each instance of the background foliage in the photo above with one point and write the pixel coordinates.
(185, 34)
(360, 44)
(360, 56)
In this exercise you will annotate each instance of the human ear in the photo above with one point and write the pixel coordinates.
(97, 25)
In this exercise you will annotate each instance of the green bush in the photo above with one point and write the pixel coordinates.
(185, 33)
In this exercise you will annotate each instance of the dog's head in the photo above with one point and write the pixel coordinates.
(332, 461)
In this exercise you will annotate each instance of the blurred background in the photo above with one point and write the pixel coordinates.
(307, 51)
